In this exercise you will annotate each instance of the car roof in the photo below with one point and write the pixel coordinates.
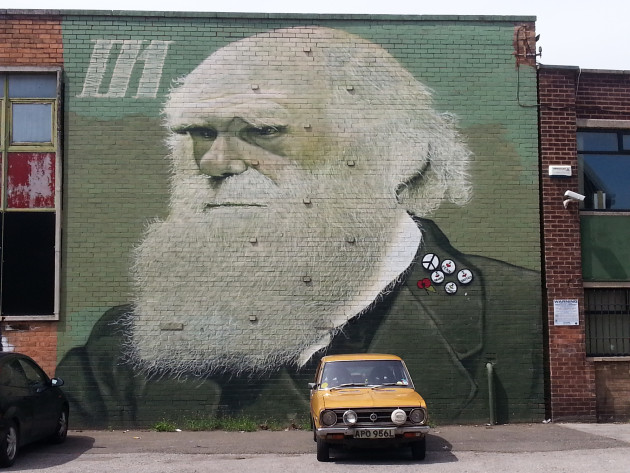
(359, 356)
(5, 354)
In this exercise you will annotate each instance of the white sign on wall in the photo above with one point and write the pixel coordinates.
(565, 312)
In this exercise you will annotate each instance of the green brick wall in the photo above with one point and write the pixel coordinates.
(116, 181)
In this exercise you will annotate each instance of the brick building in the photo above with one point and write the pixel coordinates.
(30, 42)
(197, 206)
(585, 142)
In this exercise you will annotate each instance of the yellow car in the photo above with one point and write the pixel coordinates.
(366, 400)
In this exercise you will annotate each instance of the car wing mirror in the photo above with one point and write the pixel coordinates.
(56, 382)
(312, 385)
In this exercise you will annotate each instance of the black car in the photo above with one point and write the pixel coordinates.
(32, 406)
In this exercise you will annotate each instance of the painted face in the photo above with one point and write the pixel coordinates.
(235, 117)
(230, 131)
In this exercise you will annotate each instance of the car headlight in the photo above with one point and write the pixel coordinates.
(329, 418)
(350, 417)
(418, 416)
(399, 417)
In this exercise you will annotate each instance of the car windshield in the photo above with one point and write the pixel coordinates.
(358, 373)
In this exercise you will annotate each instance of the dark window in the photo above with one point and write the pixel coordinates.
(604, 158)
(18, 378)
(34, 375)
(597, 141)
(29, 263)
(607, 322)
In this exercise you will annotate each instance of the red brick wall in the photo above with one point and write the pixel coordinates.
(32, 41)
(571, 386)
(604, 96)
(35, 339)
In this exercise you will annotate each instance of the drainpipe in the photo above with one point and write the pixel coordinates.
(491, 408)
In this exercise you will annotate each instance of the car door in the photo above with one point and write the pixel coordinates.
(43, 398)
(17, 402)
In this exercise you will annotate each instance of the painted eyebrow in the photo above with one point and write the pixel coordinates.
(182, 129)
(261, 112)
(251, 122)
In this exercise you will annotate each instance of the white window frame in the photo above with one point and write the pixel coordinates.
(30, 147)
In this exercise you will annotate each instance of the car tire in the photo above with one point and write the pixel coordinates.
(9, 445)
(419, 449)
(323, 451)
(61, 430)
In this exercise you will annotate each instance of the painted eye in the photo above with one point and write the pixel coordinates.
(264, 131)
(203, 133)
(198, 133)
(270, 138)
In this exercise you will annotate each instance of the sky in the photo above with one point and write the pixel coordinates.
(584, 33)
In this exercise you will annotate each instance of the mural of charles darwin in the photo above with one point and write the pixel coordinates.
(305, 162)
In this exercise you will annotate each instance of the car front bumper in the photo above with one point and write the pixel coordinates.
(346, 433)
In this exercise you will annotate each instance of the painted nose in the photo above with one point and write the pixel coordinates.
(221, 159)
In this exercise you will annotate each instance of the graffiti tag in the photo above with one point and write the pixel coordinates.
(114, 60)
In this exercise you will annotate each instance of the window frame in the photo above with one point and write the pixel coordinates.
(31, 145)
(6, 147)
(606, 323)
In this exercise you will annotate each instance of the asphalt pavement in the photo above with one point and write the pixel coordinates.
(512, 438)
(517, 448)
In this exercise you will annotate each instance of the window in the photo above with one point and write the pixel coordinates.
(34, 376)
(604, 160)
(607, 322)
(29, 199)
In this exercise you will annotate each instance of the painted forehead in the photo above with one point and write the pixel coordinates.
(272, 60)
(299, 70)
(304, 60)
(223, 86)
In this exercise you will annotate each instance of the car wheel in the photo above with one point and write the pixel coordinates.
(323, 451)
(9, 445)
(419, 449)
(61, 431)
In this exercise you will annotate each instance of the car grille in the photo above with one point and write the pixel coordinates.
(378, 416)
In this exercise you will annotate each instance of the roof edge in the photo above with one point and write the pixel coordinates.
(578, 69)
(329, 16)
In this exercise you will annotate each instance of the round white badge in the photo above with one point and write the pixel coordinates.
(437, 277)
(450, 288)
(465, 276)
(431, 261)
(448, 266)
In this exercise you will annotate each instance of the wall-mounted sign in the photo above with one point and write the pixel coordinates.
(559, 171)
(565, 312)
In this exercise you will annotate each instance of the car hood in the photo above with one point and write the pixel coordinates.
(357, 398)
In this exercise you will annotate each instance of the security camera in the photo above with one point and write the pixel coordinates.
(573, 196)
(570, 196)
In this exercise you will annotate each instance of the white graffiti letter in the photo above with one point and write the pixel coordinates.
(98, 66)
(153, 56)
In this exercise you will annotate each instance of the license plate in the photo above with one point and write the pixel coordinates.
(374, 433)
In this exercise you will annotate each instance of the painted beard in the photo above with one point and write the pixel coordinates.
(247, 286)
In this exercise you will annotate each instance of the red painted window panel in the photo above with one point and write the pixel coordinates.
(31, 180)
